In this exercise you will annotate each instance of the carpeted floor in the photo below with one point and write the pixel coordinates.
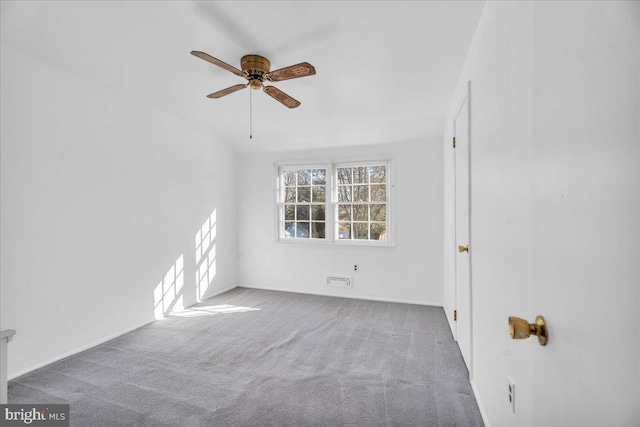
(264, 358)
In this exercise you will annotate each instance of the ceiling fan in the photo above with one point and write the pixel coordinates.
(256, 69)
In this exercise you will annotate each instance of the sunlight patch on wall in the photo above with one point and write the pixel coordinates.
(168, 294)
(205, 236)
(205, 255)
(205, 273)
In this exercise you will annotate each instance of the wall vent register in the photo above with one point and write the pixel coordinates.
(339, 282)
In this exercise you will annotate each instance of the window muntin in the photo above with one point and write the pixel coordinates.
(361, 205)
(302, 201)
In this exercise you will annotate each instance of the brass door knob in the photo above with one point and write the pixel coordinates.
(463, 248)
(520, 328)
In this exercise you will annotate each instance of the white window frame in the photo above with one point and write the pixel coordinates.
(335, 202)
(280, 204)
(331, 202)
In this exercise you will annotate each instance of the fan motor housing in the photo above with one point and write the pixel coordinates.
(255, 66)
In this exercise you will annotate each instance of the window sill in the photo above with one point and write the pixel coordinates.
(335, 243)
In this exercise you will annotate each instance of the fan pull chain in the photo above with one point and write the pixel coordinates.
(250, 114)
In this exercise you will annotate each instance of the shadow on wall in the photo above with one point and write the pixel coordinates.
(168, 295)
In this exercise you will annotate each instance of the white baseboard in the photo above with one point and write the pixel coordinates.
(77, 350)
(483, 414)
(218, 292)
(362, 297)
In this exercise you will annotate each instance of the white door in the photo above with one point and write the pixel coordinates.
(463, 270)
(586, 222)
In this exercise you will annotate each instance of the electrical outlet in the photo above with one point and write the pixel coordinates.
(512, 395)
(355, 267)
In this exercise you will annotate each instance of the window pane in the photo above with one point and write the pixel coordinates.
(286, 230)
(360, 193)
(378, 231)
(361, 231)
(289, 212)
(317, 213)
(290, 194)
(361, 212)
(360, 175)
(344, 193)
(319, 176)
(288, 177)
(378, 193)
(303, 213)
(304, 194)
(344, 176)
(344, 212)
(318, 230)
(378, 173)
(304, 177)
(319, 193)
(378, 212)
(344, 230)
(300, 230)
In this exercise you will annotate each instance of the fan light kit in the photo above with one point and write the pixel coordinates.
(256, 69)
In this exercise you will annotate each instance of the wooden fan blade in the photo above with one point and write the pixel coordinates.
(302, 69)
(227, 91)
(216, 61)
(281, 97)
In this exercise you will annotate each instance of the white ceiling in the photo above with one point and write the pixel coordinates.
(385, 70)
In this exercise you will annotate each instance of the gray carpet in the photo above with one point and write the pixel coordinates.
(264, 358)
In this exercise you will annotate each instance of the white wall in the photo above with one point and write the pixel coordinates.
(555, 209)
(499, 68)
(101, 194)
(411, 271)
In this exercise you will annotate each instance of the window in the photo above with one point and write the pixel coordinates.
(334, 203)
(303, 203)
(362, 202)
